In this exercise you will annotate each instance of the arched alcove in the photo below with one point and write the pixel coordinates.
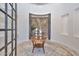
(40, 21)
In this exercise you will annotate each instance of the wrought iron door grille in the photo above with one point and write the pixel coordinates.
(8, 47)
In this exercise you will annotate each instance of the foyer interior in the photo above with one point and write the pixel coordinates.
(59, 23)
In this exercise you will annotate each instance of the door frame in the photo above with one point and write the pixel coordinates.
(49, 24)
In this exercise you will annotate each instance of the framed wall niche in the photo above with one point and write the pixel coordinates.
(64, 24)
(42, 22)
(76, 23)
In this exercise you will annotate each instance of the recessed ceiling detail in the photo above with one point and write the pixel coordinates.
(40, 3)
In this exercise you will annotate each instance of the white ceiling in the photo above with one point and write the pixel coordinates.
(43, 8)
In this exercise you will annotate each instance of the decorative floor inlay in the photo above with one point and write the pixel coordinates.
(51, 49)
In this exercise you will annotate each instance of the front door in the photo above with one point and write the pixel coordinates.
(8, 29)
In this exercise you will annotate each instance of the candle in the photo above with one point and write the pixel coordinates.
(40, 32)
(36, 32)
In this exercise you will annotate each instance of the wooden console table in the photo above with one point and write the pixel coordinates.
(38, 42)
